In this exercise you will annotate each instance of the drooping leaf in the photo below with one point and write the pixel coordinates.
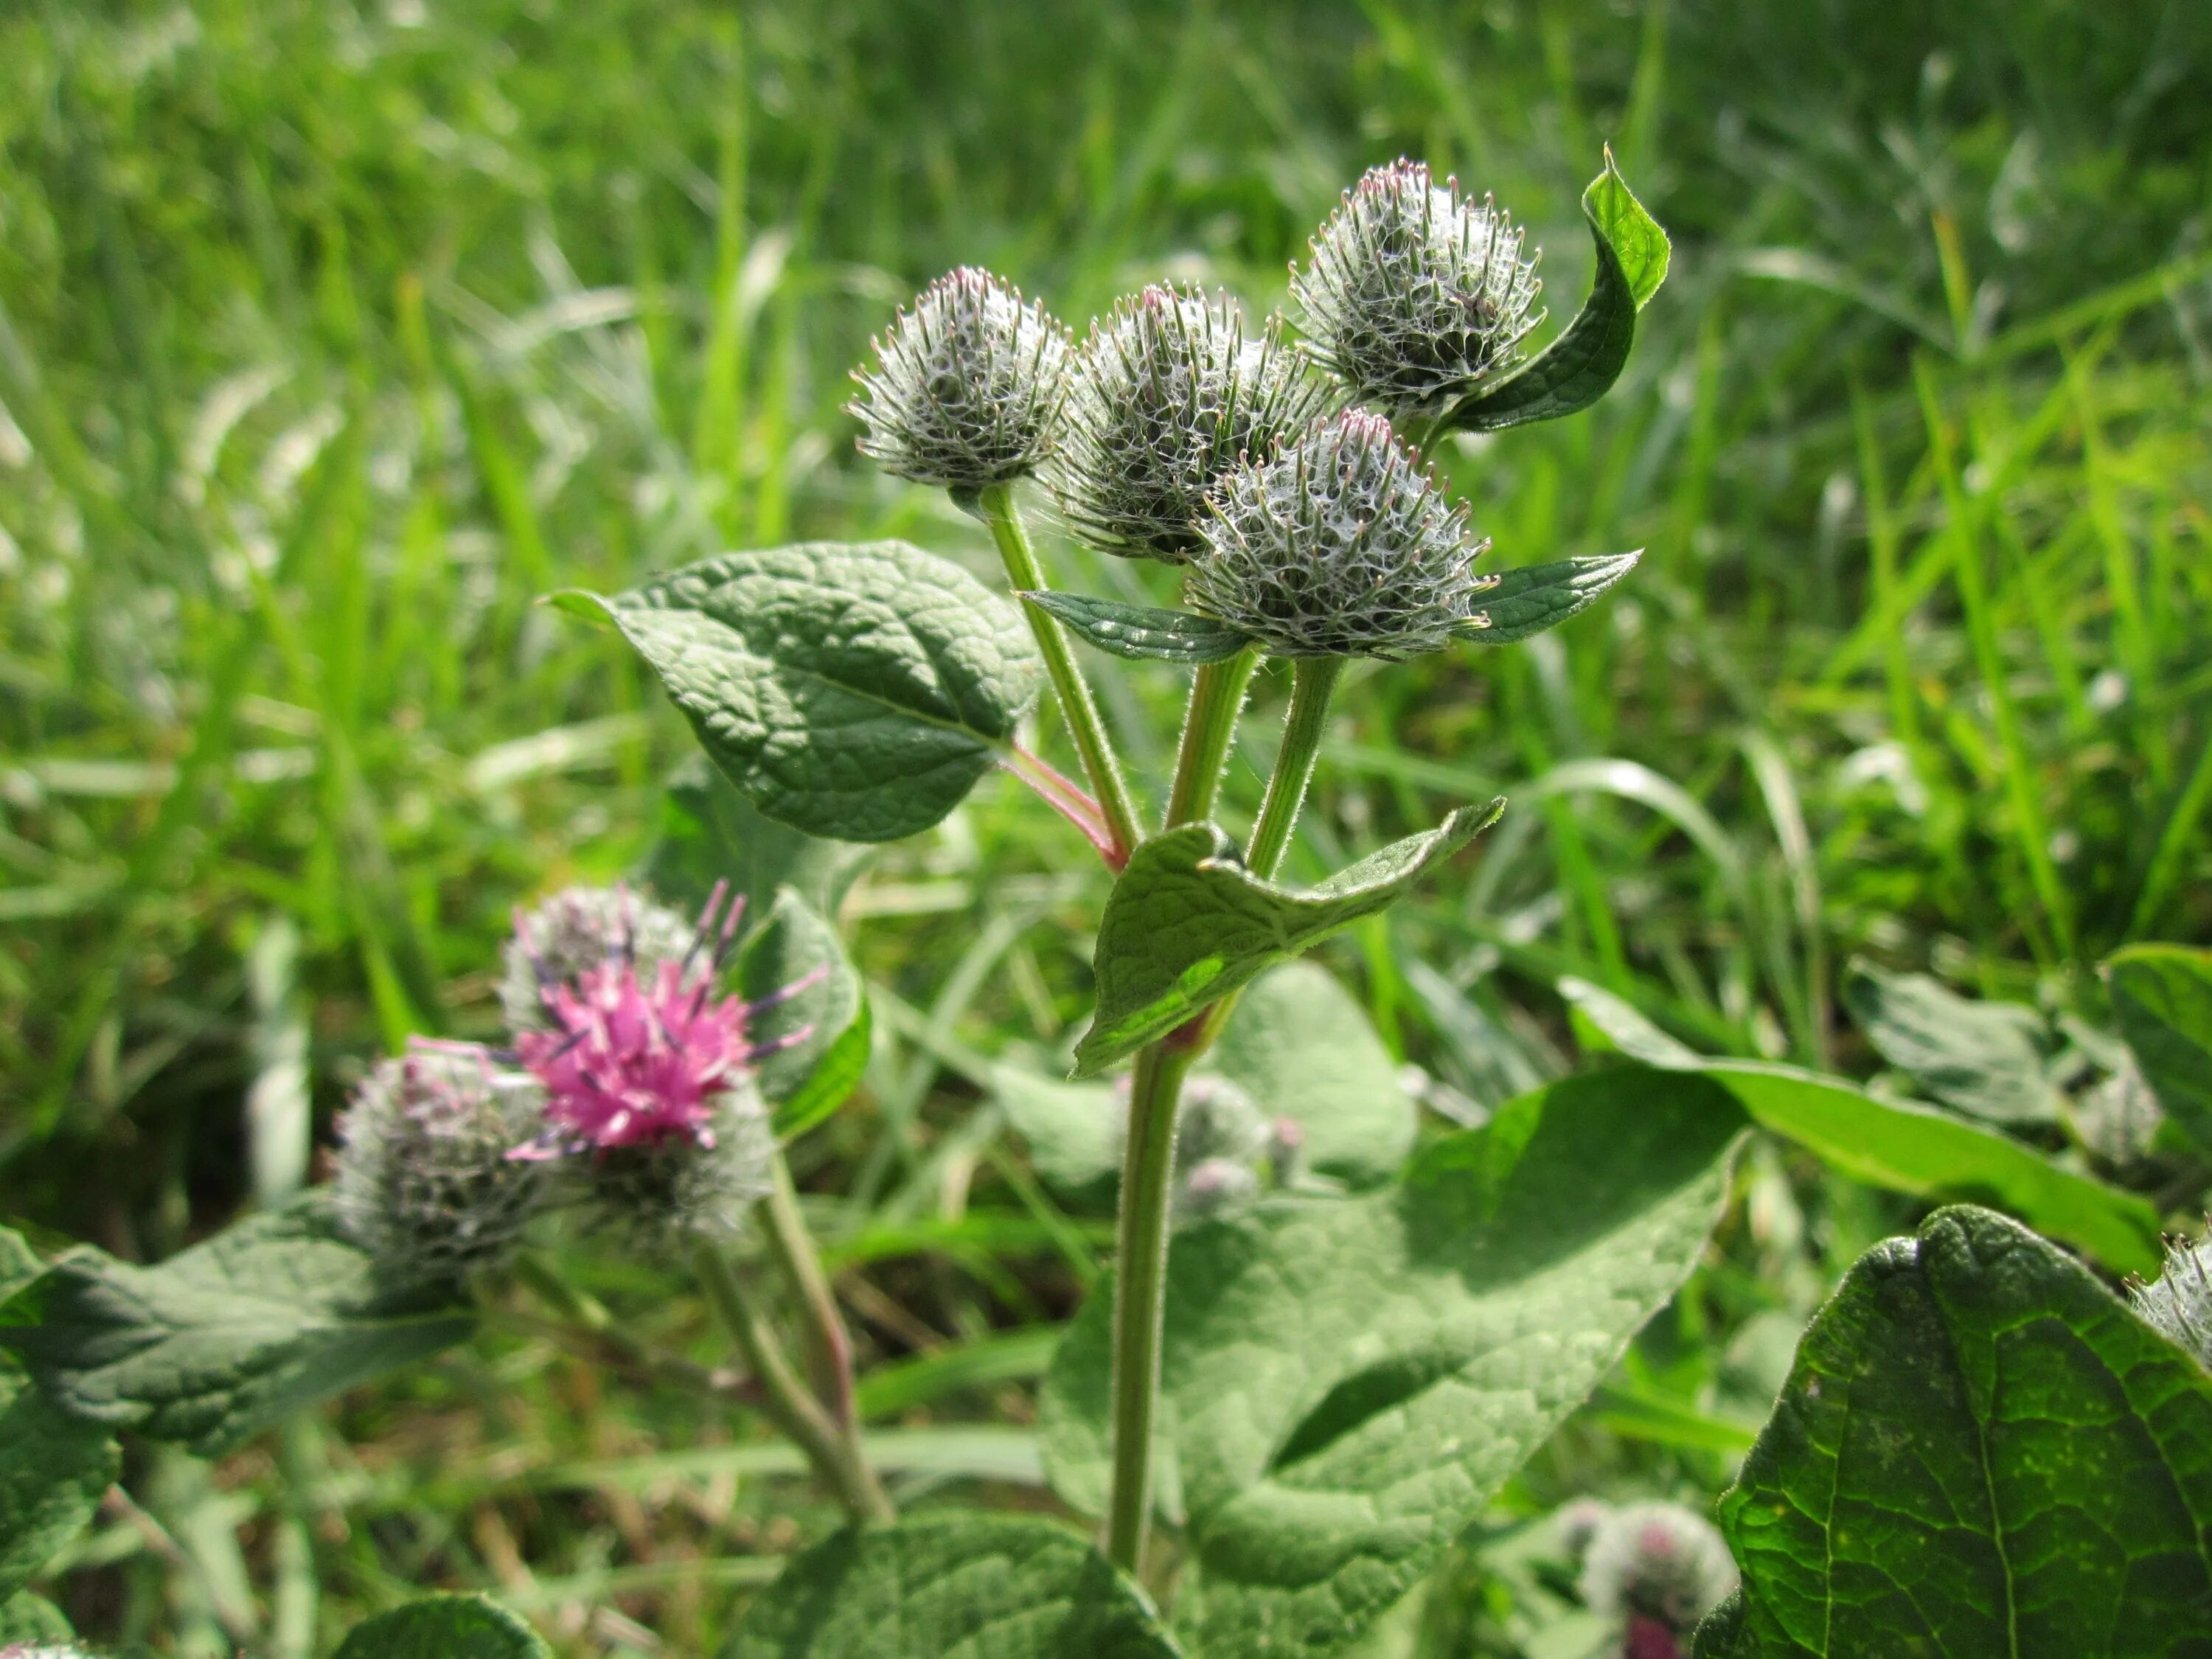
(224, 1339)
(1140, 631)
(53, 1469)
(1527, 601)
(1187, 924)
(445, 1627)
(1348, 1382)
(1980, 1451)
(2162, 994)
(1981, 1057)
(1898, 1145)
(1302, 1048)
(855, 691)
(710, 833)
(34, 1622)
(1580, 367)
(824, 1022)
(952, 1586)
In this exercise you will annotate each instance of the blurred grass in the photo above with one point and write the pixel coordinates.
(330, 337)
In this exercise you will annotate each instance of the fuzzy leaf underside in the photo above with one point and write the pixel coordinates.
(1537, 597)
(1187, 924)
(1980, 1450)
(963, 1585)
(226, 1338)
(1139, 632)
(53, 1469)
(1348, 1382)
(1980, 1057)
(1580, 367)
(850, 691)
(445, 1627)
(1896, 1145)
(2162, 994)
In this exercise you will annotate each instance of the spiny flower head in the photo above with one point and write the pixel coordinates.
(1657, 1562)
(1413, 293)
(2178, 1303)
(1338, 546)
(1167, 395)
(967, 387)
(424, 1182)
(576, 930)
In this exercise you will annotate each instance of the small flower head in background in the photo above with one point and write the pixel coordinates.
(1214, 1186)
(968, 386)
(1166, 396)
(1415, 294)
(2178, 1303)
(1658, 1567)
(1338, 545)
(579, 929)
(424, 1181)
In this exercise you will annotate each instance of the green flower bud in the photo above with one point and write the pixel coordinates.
(1413, 295)
(426, 1182)
(579, 929)
(1167, 396)
(967, 387)
(2178, 1304)
(1338, 546)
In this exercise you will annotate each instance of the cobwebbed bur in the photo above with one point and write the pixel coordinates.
(1656, 1561)
(425, 1182)
(968, 386)
(2177, 1303)
(1166, 396)
(1338, 546)
(578, 929)
(1413, 293)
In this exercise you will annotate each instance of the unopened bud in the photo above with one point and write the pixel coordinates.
(1658, 1562)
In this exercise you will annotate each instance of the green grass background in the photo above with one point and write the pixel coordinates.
(333, 334)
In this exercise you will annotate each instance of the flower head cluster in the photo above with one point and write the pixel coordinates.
(1340, 545)
(1413, 293)
(2178, 1303)
(1167, 395)
(1226, 1153)
(424, 1182)
(575, 931)
(967, 387)
(1656, 1564)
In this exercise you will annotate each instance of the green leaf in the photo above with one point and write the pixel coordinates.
(1981, 1057)
(35, 1621)
(952, 1586)
(1527, 601)
(1905, 1147)
(53, 1469)
(1580, 367)
(794, 943)
(1187, 924)
(1139, 631)
(855, 690)
(2162, 995)
(1980, 1450)
(1301, 1047)
(710, 833)
(445, 1627)
(226, 1338)
(1348, 1383)
(1071, 1129)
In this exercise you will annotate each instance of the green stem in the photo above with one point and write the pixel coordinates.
(996, 503)
(1140, 1268)
(1217, 695)
(1313, 680)
(829, 1344)
(787, 1402)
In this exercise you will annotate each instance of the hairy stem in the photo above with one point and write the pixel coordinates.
(996, 504)
(787, 1402)
(1217, 696)
(1313, 680)
(828, 1344)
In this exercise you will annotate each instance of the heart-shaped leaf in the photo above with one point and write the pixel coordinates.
(855, 691)
(1981, 1057)
(53, 1469)
(224, 1339)
(1139, 631)
(1894, 1144)
(1580, 367)
(445, 1627)
(1348, 1382)
(825, 1022)
(1980, 1450)
(1525, 602)
(1187, 924)
(952, 1586)
(2162, 994)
